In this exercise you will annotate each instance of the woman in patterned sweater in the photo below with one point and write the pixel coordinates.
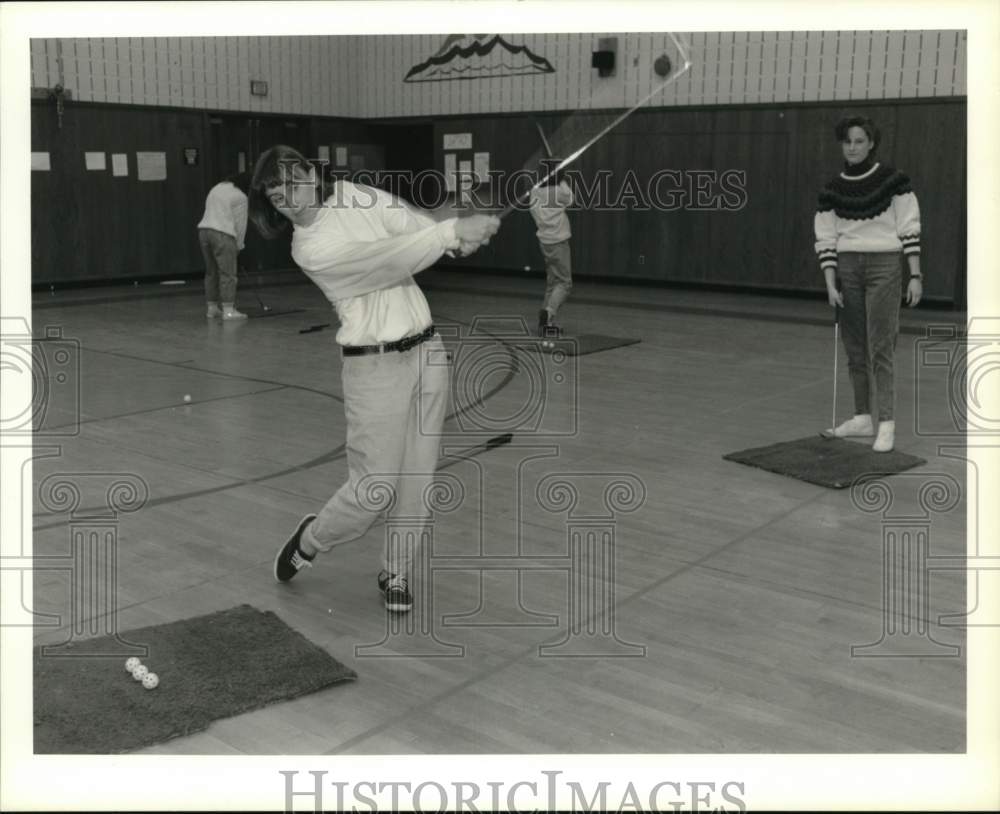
(867, 218)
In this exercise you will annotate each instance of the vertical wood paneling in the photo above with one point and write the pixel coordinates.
(35, 69)
(222, 48)
(154, 74)
(782, 67)
(69, 64)
(959, 65)
(90, 70)
(55, 71)
(752, 76)
(892, 84)
(253, 65)
(170, 75)
(362, 75)
(846, 62)
(324, 84)
(911, 63)
(829, 64)
(798, 69)
(92, 225)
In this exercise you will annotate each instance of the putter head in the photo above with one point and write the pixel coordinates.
(827, 434)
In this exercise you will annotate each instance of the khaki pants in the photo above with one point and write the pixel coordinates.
(558, 275)
(395, 405)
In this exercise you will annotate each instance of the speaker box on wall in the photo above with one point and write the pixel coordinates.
(603, 57)
(604, 61)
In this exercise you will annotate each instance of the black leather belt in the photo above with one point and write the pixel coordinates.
(401, 345)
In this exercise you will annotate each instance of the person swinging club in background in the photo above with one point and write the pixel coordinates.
(867, 219)
(221, 234)
(548, 204)
(361, 246)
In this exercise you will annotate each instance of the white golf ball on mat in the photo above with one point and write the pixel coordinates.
(140, 672)
(131, 664)
(150, 681)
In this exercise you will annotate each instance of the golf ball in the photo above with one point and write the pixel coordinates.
(131, 664)
(187, 397)
(150, 681)
(140, 672)
(527, 268)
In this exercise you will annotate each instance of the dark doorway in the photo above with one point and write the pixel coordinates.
(236, 141)
(409, 150)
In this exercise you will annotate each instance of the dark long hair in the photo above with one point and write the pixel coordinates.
(272, 170)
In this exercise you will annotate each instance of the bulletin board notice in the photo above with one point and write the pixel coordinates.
(151, 166)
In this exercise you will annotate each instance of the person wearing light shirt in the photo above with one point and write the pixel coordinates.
(361, 246)
(867, 220)
(548, 205)
(221, 234)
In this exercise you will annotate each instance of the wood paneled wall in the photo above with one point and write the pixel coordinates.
(786, 153)
(90, 225)
(364, 75)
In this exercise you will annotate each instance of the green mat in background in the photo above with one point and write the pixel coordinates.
(210, 667)
(832, 462)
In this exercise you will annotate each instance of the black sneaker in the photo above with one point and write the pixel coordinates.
(291, 559)
(396, 591)
(543, 321)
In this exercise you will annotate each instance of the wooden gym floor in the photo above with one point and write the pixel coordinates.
(737, 594)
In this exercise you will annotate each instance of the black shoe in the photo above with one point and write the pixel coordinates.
(543, 321)
(291, 559)
(396, 592)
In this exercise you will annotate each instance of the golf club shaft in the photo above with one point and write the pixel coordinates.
(836, 343)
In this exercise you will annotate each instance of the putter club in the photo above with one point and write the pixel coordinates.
(256, 291)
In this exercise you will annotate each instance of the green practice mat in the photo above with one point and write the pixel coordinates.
(210, 667)
(835, 463)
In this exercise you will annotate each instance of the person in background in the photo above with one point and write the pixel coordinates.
(361, 246)
(548, 204)
(221, 234)
(867, 220)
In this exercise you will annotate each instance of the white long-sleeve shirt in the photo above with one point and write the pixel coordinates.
(548, 208)
(226, 211)
(362, 251)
